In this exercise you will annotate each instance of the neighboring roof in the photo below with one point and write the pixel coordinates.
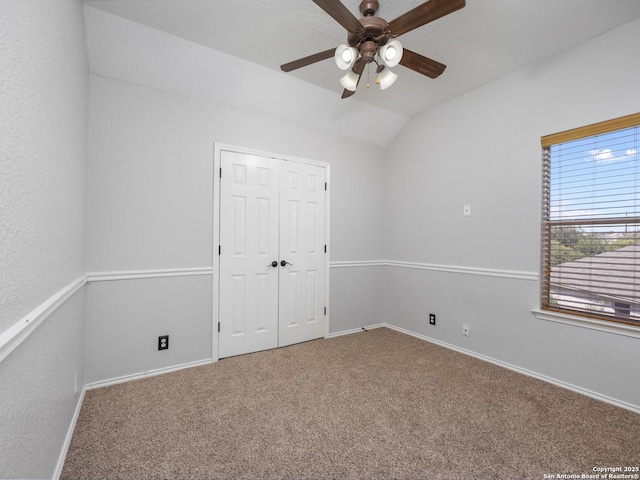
(597, 275)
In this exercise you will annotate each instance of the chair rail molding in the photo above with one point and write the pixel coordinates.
(11, 338)
(486, 272)
(155, 273)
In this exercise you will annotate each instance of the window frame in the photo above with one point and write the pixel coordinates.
(558, 313)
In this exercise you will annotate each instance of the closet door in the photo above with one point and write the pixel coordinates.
(249, 222)
(302, 248)
(272, 253)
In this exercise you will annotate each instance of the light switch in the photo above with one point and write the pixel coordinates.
(467, 210)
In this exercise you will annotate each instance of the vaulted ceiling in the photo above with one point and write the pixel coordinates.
(485, 40)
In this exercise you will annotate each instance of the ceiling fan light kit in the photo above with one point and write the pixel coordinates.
(391, 53)
(371, 39)
(386, 78)
(350, 81)
(345, 56)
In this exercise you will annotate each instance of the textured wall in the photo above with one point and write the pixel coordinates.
(43, 75)
(41, 384)
(43, 144)
(483, 149)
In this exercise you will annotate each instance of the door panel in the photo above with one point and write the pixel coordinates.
(302, 240)
(249, 194)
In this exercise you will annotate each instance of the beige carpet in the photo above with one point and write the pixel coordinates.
(373, 405)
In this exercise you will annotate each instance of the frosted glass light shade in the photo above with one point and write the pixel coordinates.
(345, 56)
(350, 80)
(391, 53)
(387, 78)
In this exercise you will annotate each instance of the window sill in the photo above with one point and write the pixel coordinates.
(591, 323)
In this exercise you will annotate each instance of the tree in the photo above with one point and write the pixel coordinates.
(561, 253)
(591, 244)
(567, 235)
(570, 243)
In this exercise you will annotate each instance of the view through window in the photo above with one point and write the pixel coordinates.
(591, 221)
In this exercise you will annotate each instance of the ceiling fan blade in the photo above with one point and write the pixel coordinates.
(341, 14)
(421, 64)
(303, 62)
(347, 93)
(423, 14)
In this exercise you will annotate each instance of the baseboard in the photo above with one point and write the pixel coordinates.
(355, 330)
(523, 371)
(149, 373)
(67, 440)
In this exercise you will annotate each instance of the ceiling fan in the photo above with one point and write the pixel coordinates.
(371, 39)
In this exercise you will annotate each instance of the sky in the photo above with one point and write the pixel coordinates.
(596, 177)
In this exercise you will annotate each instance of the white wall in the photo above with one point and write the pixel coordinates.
(43, 98)
(483, 149)
(43, 119)
(151, 201)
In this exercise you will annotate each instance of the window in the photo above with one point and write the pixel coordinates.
(591, 221)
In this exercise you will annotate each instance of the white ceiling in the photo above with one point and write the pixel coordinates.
(485, 40)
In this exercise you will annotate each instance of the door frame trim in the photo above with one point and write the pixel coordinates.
(223, 147)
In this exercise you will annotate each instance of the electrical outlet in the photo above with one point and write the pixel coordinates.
(465, 329)
(163, 342)
(432, 319)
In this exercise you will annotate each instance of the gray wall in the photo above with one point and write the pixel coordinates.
(43, 119)
(483, 149)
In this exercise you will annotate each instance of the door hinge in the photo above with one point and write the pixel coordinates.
(220, 172)
(325, 311)
(219, 249)
(218, 327)
(325, 186)
(325, 249)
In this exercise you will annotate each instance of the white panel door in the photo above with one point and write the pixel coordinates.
(271, 210)
(302, 248)
(249, 203)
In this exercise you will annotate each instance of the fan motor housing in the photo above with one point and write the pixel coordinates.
(375, 29)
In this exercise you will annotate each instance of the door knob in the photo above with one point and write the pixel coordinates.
(273, 264)
(284, 263)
